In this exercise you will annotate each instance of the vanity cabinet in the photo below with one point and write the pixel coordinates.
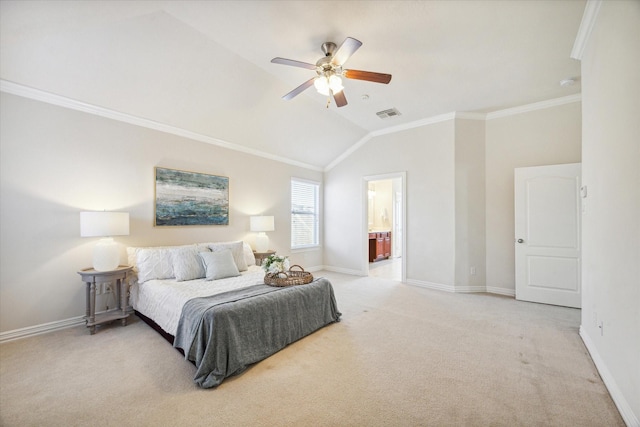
(379, 246)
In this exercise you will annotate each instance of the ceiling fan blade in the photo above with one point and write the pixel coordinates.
(340, 99)
(285, 61)
(299, 89)
(367, 75)
(346, 49)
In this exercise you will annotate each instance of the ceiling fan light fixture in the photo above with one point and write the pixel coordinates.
(322, 85)
(329, 69)
(335, 84)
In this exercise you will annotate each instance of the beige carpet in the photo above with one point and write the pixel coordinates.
(402, 356)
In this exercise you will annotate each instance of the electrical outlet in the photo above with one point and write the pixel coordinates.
(472, 271)
(107, 288)
(99, 289)
(601, 326)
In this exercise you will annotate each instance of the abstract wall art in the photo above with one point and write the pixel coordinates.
(190, 198)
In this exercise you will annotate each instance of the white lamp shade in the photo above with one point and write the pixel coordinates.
(103, 224)
(262, 223)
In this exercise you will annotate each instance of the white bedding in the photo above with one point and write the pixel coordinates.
(162, 300)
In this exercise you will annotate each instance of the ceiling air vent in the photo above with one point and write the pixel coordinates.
(391, 112)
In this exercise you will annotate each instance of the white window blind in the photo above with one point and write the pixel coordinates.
(304, 214)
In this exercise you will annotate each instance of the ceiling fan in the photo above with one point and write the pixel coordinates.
(329, 70)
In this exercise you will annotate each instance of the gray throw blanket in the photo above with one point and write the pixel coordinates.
(223, 334)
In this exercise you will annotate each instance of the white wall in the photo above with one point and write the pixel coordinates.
(470, 205)
(541, 137)
(55, 162)
(611, 219)
(460, 202)
(427, 156)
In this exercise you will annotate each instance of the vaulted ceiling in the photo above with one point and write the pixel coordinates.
(204, 66)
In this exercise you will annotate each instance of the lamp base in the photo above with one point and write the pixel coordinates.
(106, 256)
(262, 242)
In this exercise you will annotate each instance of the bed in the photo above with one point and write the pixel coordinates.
(223, 324)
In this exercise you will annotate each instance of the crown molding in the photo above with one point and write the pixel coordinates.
(471, 116)
(535, 106)
(586, 28)
(61, 101)
(50, 98)
(348, 152)
(414, 124)
(456, 115)
(389, 130)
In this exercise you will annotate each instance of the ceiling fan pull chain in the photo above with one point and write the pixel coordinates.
(328, 100)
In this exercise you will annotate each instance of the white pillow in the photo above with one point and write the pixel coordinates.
(203, 247)
(249, 257)
(132, 253)
(237, 251)
(187, 265)
(154, 263)
(219, 264)
(131, 257)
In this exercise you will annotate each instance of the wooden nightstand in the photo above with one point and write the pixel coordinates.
(92, 277)
(262, 255)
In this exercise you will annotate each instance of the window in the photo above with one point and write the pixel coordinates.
(304, 214)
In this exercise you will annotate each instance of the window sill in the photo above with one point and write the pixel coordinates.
(306, 249)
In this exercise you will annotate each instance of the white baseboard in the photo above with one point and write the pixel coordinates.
(425, 284)
(470, 289)
(40, 329)
(343, 270)
(626, 412)
(501, 291)
(446, 288)
(431, 285)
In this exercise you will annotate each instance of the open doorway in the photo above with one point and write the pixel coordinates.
(384, 226)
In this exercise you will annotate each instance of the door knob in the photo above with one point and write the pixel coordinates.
(520, 241)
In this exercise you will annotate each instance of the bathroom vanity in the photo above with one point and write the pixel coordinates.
(379, 245)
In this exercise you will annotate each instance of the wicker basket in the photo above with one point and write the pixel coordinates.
(288, 278)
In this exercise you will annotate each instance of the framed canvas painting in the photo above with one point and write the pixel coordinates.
(190, 198)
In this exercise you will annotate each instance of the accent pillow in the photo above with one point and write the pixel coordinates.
(219, 265)
(187, 264)
(132, 253)
(249, 257)
(237, 251)
(154, 263)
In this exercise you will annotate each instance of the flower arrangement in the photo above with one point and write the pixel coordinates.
(275, 264)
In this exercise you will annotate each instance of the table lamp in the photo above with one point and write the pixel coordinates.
(106, 256)
(262, 223)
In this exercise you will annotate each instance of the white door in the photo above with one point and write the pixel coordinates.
(547, 234)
